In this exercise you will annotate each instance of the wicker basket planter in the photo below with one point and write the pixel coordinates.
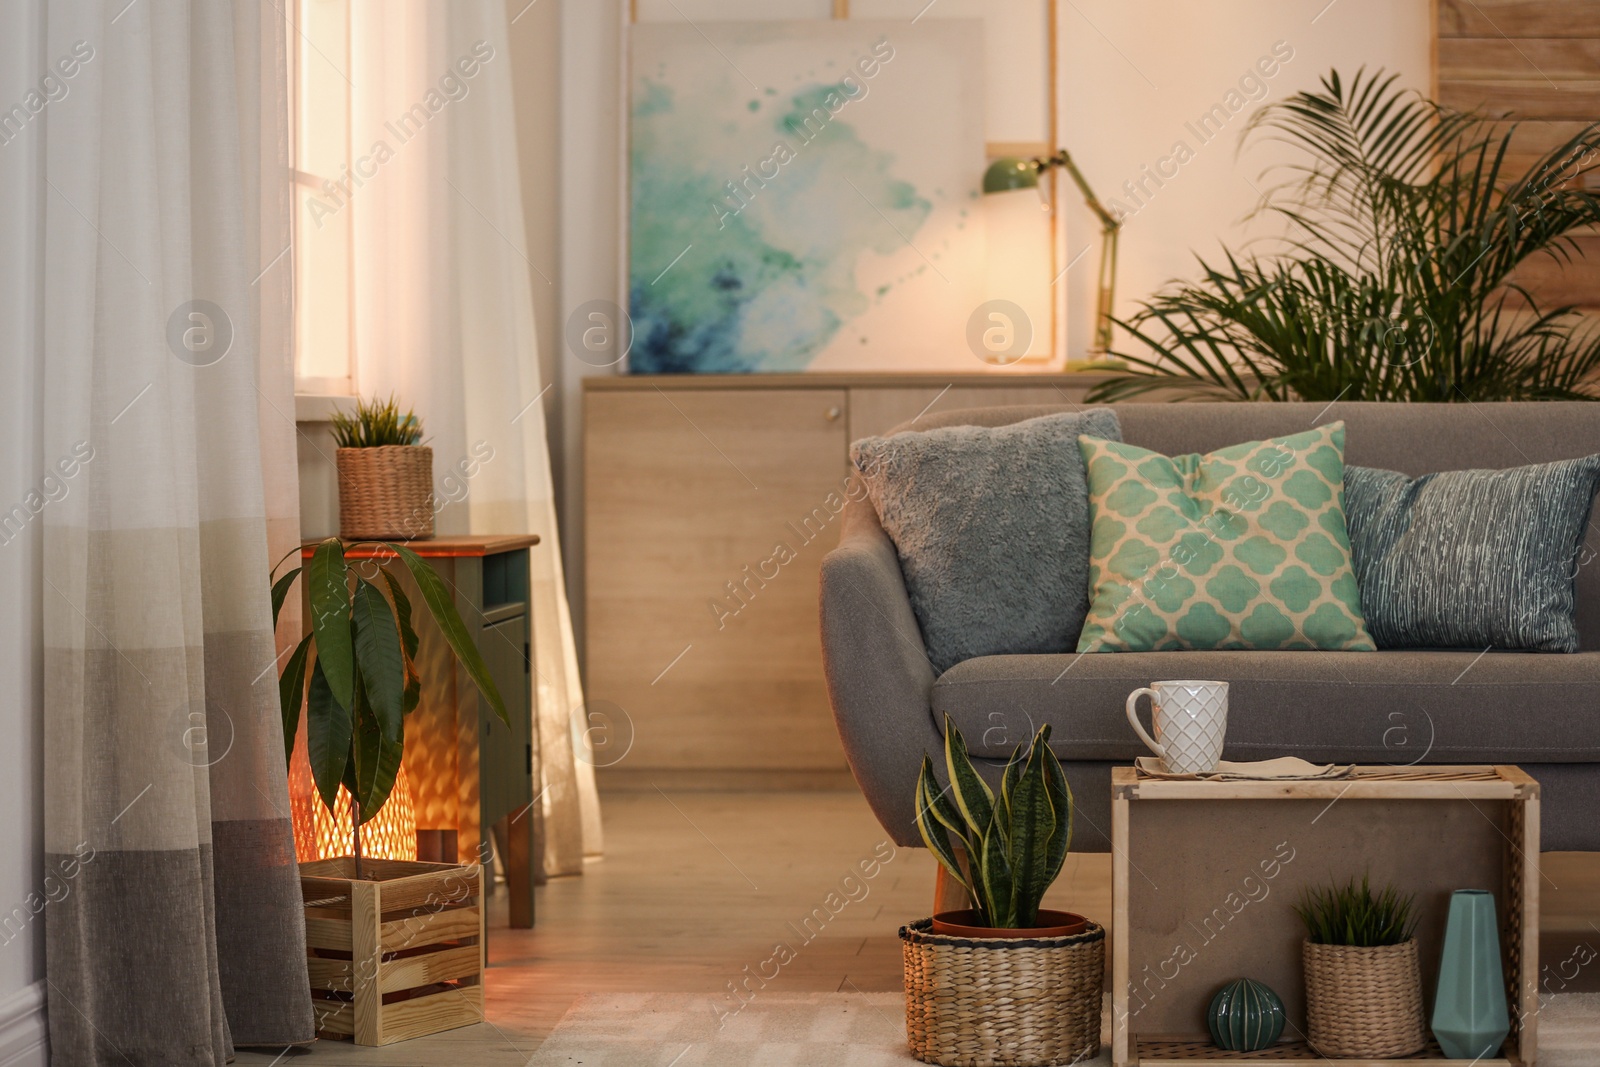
(386, 493)
(1364, 1003)
(1000, 1002)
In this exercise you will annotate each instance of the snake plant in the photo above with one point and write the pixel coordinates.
(356, 670)
(1015, 842)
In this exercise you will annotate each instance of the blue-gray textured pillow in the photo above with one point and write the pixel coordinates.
(1471, 559)
(992, 528)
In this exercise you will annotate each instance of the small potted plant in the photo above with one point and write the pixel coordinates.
(394, 947)
(385, 473)
(1004, 983)
(1363, 980)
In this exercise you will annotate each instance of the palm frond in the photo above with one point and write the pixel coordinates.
(1398, 281)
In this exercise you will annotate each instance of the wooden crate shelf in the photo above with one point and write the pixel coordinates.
(397, 955)
(1203, 874)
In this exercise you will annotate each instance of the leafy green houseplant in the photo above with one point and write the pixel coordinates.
(1015, 842)
(355, 673)
(385, 473)
(1363, 977)
(1354, 915)
(1397, 281)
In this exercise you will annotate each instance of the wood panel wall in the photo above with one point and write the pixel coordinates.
(1539, 62)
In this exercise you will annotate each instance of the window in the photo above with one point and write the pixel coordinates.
(319, 94)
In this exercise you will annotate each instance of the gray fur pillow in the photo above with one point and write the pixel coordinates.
(992, 528)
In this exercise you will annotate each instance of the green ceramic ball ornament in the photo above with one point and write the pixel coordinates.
(1245, 1016)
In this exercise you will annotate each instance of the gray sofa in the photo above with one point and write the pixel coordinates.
(1397, 707)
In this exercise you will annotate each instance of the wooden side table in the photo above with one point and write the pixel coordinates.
(468, 771)
(1204, 873)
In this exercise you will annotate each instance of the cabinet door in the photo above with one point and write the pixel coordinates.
(708, 514)
(505, 760)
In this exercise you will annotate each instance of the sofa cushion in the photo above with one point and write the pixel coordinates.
(1471, 558)
(1240, 548)
(1369, 707)
(992, 530)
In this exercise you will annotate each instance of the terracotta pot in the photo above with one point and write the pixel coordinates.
(1052, 924)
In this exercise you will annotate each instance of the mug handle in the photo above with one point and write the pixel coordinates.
(1133, 717)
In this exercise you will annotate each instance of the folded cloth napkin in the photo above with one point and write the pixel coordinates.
(1288, 768)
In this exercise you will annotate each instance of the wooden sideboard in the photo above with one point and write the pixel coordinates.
(710, 502)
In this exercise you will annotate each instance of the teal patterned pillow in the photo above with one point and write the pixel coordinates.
(1243, 548)
(1473, 559)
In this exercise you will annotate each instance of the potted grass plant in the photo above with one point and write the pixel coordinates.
(394, 947)
(1004, 983)
(385, 473)
(1363, 979)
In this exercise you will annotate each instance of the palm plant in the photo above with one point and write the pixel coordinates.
(1016, 842)
(356, 672)
(1397, 282)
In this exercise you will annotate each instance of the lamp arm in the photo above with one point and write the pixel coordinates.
(1063, 158)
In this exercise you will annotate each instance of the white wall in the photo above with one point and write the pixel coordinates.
(1134, 72)
(22, 470)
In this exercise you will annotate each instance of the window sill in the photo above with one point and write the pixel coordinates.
(319, 407)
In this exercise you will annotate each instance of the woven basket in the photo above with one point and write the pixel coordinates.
(1364, 1002)
(386, 493)
(998, 1002)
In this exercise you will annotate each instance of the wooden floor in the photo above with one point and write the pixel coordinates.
(697, 886)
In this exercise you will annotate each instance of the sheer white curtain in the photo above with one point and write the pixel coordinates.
(162, 198)
(444, 319)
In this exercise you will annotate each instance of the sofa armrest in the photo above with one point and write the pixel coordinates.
(879, 675)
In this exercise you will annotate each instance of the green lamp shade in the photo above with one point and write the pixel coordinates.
(1007, 174)
(1470, 1015)
(1245, 1016)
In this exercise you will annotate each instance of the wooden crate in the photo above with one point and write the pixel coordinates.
(1194, 905)
(397, 955)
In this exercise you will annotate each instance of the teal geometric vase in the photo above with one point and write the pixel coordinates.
(1245, 1016)
(1469, 1012)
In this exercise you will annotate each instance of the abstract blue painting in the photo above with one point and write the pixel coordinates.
(804, 195)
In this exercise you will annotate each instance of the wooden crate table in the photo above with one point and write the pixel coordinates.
(1204, 874)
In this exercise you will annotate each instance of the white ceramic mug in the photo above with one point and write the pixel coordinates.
(1190, 721)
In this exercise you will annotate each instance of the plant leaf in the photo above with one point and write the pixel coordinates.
(440, 605)
(998, 897)
(972, 794)
(1032, 824)
(933, 832)
(377, 758)
(402, 613)
(408, 641)
(378, 655)
(291, 691)
(1060, 802)
(328, 730)
(327, 585)
(280, 591)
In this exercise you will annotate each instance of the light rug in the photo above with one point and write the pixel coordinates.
(853, 1030)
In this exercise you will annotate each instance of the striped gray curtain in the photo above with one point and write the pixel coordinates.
(164, 198)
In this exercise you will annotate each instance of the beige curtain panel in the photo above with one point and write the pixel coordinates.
(162, 190)
(444, 319)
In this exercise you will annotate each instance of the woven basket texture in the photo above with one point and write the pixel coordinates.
(1364, 1002)
(386, 493)
(994, 1002)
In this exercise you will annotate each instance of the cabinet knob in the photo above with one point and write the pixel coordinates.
(834, 412)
